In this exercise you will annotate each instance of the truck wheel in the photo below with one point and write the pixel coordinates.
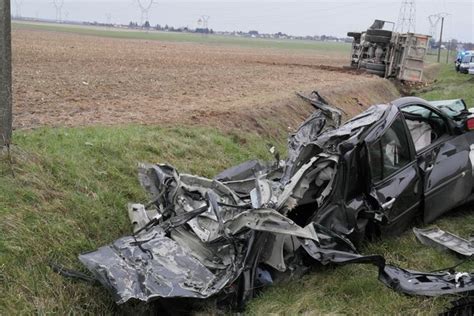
(373, 66)
(376, 72)
(379, 33)
(377, 39)
(354, 34)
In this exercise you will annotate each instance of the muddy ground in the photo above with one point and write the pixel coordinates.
(73, 80)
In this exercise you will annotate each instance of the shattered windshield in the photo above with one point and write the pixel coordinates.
(451, 107)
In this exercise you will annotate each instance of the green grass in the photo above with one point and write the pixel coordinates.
(68, 194)
(451, 85)
(340, 48)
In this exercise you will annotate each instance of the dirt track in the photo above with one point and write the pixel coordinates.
(72, 80)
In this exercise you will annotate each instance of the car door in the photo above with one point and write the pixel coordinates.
(443, 160)
(394, 172)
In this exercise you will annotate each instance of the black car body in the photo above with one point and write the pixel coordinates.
(426, 177)
(257, 222)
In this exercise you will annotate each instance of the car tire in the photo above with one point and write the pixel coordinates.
(373, 66)
(383, 33)
(376, 72)
(377, 39)
(354, 34)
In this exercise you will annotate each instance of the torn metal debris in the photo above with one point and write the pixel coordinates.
(443, 240)
(257, 221)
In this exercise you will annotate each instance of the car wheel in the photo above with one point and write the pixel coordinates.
(377, 39)
(376, 72)
(373, 66)
(383, 33)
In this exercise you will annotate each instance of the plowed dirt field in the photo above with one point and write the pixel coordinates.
(63, 79)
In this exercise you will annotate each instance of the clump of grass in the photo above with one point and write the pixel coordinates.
(451, 85)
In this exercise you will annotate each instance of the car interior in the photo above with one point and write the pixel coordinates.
(425, 125)
(390, 153)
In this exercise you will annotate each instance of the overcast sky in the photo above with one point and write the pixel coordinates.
(291, 16)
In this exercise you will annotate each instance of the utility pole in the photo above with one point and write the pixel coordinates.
(449, 51)
(440, 39)
(407, 17)
(434, 20)
(108, 16)
(18, 4)
(205, 21)
(5, 74)
(145, 7)
(58, 4)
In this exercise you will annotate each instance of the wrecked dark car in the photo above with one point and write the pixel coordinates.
(260, 222)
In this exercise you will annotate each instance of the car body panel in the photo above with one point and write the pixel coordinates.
(445, 165)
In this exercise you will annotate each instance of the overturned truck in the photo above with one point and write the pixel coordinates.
(389, 54)
(261, 222)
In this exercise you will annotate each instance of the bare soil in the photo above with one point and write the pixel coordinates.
(73, 80)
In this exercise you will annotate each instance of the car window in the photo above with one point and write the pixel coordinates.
(468, 59)
(425, 125)
(390, 152)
